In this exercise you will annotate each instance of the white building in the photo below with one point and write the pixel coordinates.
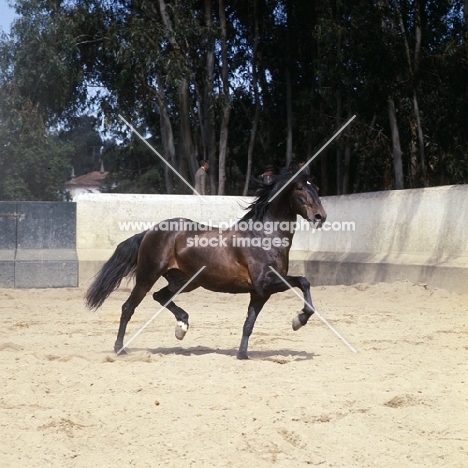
(87, 183)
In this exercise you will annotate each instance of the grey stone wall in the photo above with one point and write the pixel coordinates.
(38, 245)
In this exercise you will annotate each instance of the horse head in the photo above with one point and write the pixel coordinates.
(306, 203)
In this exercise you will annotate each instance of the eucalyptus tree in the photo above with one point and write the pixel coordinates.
(248, 83)
(160, 61)
(444, 92)
(36, 56)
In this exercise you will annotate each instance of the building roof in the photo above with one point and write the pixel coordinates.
(92, 179)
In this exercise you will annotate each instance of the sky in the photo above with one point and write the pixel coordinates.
(6, 15)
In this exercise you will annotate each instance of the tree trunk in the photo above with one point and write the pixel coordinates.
(223, 134)
(289, 126)
(324, 186)
(167, 135)
(188, 162)
(417, 161)
(414, 162)
(169, 150)
(338, 146)
(339, 149)
(396, 146)
(289, 111)
(465, 16)
(417, 59)
(209, 119)
(347, 160)
(223, 139)
(422, 156)
(256, 118)
(347, 163)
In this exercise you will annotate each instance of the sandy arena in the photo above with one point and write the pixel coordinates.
(303, 399)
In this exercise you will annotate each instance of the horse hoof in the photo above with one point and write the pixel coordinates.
(180, 330)
(242, 357)
(296, 323)
(119, 351)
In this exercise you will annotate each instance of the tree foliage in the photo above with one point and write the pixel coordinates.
(40, 80)
(243, 84)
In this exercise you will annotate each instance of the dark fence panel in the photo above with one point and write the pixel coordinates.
(8, 234)
(38, 245)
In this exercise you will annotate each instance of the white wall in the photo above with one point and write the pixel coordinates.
(425, 227)
(429, 224)
(100, 216)
(75, 191)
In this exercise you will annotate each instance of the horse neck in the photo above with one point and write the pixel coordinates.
(279, 212)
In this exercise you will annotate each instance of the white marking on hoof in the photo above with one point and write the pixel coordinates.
(296, 323)
(180, 330)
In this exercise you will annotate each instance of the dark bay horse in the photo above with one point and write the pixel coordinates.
(237, 259)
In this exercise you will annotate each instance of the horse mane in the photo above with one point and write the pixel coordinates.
(260, 206)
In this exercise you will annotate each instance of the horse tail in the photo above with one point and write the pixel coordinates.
(122, 263)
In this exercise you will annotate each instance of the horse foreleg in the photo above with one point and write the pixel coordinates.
(255, 306)
(278, 285)
(303, 284)
(164, 298)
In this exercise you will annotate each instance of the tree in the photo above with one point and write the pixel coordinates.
(245, 84)
(33, 60)
(33, 160)
(86, 142)
(225, 101)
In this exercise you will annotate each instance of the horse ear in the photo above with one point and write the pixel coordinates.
(256, 183)
(312, 180)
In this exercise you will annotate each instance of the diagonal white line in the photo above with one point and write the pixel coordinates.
(160, 310)
(312, 158)
(132, 128)
(315, 312)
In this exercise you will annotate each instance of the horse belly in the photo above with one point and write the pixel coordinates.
(226, 283)
(222, 272)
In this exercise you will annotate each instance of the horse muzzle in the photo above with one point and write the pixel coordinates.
(317, 219)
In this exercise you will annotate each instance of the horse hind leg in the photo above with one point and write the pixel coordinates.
(128, 308)
(164, 297)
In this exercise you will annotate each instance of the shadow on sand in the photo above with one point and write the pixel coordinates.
(279, 355)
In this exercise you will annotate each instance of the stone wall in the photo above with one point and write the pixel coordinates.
(417, 235)
(38, 245)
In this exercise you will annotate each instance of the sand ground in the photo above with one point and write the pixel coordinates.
(303, 399)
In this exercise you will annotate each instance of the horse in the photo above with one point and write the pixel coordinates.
(250, 256)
